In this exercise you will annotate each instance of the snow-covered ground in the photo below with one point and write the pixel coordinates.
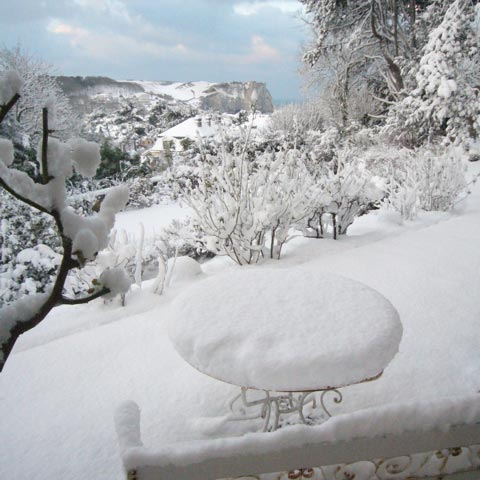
(59, 389)
(189, 91)
(153, 218)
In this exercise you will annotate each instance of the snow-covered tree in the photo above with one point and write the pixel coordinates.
(446, 99)
(40, 89)
(81, 237)
(373, 29)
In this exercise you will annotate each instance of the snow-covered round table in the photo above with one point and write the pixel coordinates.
(292, 330)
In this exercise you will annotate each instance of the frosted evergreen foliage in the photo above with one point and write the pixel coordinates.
(31, 271)
(23, 228)
(446, 97)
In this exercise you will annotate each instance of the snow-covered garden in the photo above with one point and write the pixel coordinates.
(331, 246)
(65, 379)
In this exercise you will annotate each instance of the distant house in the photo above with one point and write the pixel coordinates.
(178, 138)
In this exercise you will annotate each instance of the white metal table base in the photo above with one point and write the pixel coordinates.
(275, 405)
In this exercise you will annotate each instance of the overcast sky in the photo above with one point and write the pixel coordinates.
(214, 40)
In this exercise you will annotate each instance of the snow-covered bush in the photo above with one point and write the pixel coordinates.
(348, 192)
(289, 191)
(344, 186)
(142, 193)
(429, 178)
(183, 238)
(21, 228)
(295, 119)
(81, 237)
(241, 206)
(138, 255)
(142, 257)
(31, 271)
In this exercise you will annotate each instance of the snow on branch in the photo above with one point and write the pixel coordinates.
(21, 311)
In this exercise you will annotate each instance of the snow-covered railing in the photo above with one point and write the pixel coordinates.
(415, 440)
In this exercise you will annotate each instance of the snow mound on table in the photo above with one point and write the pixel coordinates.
(288, 330)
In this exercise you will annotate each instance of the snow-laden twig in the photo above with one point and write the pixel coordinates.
(139, 257)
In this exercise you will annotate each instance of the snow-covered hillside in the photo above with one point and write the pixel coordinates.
(227, 97)
(132, 114)
(185, 92)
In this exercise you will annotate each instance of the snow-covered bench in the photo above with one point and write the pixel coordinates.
(438, 439)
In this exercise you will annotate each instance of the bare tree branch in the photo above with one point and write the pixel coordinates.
(79, 301)
(44, 145)
(4, 109)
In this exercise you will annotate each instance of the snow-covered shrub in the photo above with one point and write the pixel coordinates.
(348, 192)
(429, 178)
(344, 186)
(138, 255)
(120, 253)
(325, 145)
(142, 193)
(441, 178)
(287, 189)
(180, 178)
(22, 227)
(142, 257)
(30, 272)
(296, 119)
(240, 205)
(183, 238)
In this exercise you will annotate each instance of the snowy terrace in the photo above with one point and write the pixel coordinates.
(60, 388)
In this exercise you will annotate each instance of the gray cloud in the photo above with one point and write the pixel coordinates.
(187, 40)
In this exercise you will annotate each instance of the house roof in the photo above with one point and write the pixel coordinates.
(189, 128)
